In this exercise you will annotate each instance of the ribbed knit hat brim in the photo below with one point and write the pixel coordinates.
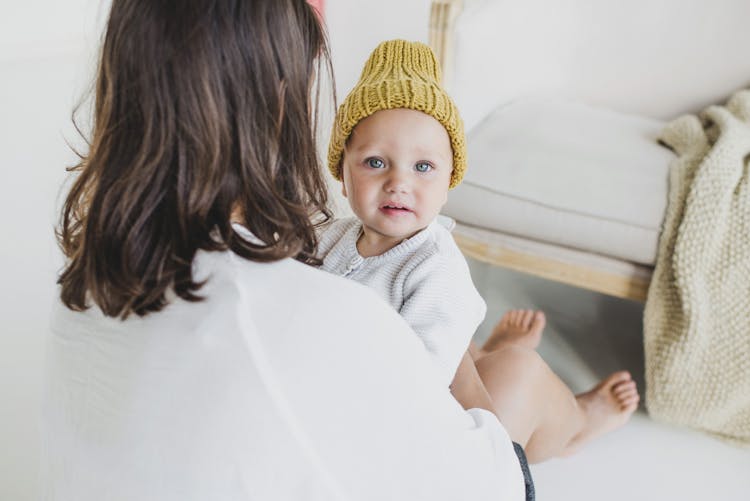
(399, 74)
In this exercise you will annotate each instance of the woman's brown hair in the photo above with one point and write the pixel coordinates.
(202, 111)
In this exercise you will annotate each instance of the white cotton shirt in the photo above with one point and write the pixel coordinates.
(425, 278)
(286, 383)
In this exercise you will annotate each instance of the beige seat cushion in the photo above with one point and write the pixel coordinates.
(568, 174)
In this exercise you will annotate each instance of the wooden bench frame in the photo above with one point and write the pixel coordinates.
(579, 268)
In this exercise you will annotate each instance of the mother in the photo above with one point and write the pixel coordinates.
(193, 355)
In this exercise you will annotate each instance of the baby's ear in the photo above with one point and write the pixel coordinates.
(450, 180)
(340, 170)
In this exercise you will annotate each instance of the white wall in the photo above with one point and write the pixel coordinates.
(356, 27)
(46, 57)
(657, 58)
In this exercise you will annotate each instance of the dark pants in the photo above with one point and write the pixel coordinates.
(530, 495)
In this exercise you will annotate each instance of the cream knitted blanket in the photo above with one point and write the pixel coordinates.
(697, 316)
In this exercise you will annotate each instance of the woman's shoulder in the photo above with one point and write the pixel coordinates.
(291, 303)
(293, 285)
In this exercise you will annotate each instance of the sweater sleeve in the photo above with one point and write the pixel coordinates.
(443, 307)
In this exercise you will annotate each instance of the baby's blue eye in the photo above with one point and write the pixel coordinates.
(423, 167)
(375, 163)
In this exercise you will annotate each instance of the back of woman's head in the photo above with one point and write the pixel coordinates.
(202, 112)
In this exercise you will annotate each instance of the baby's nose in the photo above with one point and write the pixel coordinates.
(396, 182)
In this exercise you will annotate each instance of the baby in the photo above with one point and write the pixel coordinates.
(398, 147)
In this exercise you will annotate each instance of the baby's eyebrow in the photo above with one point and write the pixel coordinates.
(429, 154)
(361, 147)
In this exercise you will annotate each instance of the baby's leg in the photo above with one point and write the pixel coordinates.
(541, 413)
(607, 406)
(523, 327)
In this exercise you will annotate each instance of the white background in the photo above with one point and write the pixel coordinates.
(46, 54)
(47, 60)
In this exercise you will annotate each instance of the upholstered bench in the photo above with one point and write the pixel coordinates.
(559, 185)
(591, 181)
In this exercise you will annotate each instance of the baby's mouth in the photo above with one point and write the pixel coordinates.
(395, 209)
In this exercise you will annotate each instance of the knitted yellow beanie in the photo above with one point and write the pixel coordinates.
(399, 74)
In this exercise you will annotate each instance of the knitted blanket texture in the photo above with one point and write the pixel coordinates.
(697, 315)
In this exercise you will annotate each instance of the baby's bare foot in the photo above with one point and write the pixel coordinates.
(522, 327)
(606, 407)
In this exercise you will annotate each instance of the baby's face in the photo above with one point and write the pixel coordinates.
(397, 168)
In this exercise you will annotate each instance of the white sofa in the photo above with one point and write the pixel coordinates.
(563, 104)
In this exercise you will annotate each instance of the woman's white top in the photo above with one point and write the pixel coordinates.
(425, 278)
(286, 383)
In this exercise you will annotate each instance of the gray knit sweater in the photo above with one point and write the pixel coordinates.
(425, 278)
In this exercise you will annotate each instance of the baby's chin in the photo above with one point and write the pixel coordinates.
(406, 234)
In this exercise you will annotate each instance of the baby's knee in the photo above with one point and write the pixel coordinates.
(524, 363)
